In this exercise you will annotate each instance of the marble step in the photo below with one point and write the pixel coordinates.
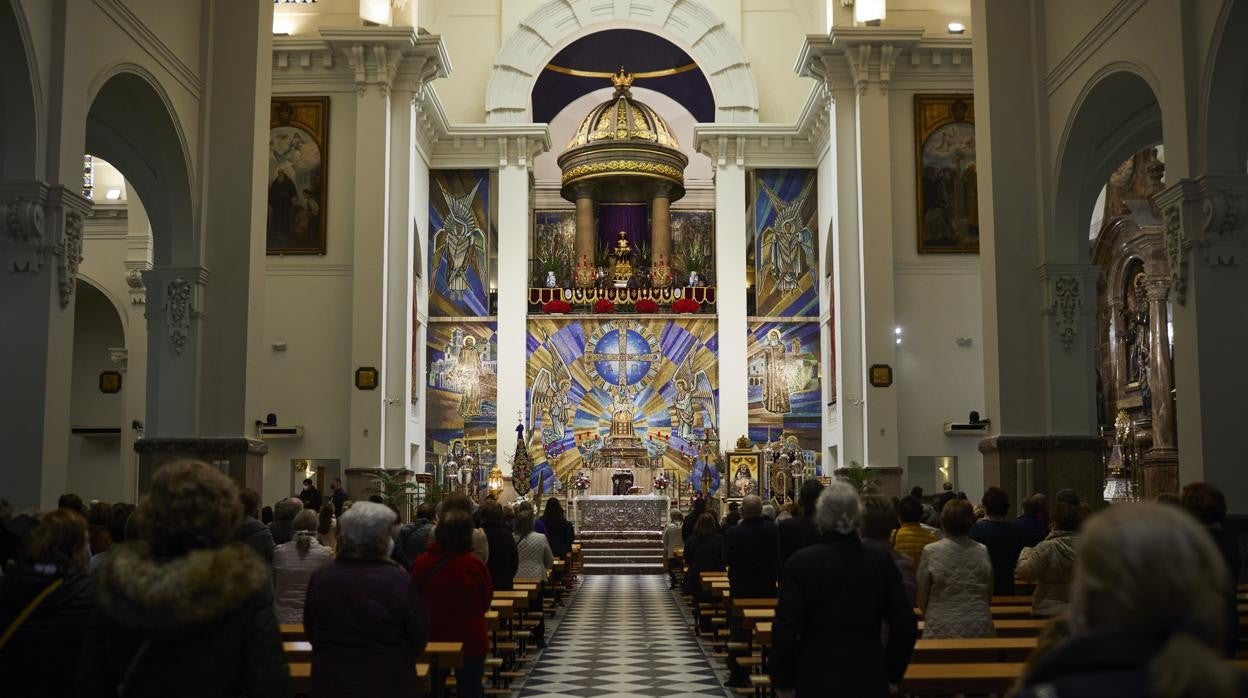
(622, 568)
(656, 559)
(639, 535)
(621, 543)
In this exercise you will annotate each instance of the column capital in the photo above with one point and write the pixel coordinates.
(179, 294)
(1157, 287)
(861, 55)
(42, 223)
(1069, 288)
(382, 56)
(1207, 217)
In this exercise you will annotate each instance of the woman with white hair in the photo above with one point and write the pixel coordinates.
(363, 614)
(834, 596)
(1147, 612)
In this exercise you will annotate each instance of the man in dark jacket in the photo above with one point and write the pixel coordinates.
(1207, 503)
(751, 552)
(834, 596)
(254, 534)
(998, 534)
(283, 518)
(310, 496)
(1032, 526)
(339, 497)
(799, 531)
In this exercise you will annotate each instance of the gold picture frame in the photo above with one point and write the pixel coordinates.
(743, 463)
(947, 191)
(298, 155)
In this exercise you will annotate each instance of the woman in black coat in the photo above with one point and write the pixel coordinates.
(834, 598)
(184, 610)
(703, 553)
(559, 532)
(363, 614)
(504, 558)
(52, 558)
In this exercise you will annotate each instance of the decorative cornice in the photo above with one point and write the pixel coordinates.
(757, 145)
(856, 57)
(446, 145)
(1208, 217)
(389, 57)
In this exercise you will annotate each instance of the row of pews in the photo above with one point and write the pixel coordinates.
(975, 666)
(512, 623)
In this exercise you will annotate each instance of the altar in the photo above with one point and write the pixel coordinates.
(628, 513)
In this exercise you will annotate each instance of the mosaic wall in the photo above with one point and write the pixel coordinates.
(784, 393)
(462, 384)
(786, 244)
(462, 235)
(584, 373)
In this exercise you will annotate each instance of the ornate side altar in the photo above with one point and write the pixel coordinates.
(633, 513)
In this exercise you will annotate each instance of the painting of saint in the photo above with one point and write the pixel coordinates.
(468, 376)
(948, 196)
(296, 189)
(776, 378)
(784, 252)
(461, 243)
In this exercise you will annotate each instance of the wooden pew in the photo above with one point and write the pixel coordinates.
(959, 678)
(301, 678)
(972, 650)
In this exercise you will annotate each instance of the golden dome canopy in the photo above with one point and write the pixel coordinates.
(626, 141)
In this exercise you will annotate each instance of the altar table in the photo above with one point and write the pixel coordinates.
(622, 513)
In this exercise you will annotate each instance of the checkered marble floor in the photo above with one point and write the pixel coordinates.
(623, 636)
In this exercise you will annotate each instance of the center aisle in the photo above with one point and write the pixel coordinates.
(623, 635)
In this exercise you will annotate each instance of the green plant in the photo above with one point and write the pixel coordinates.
(857, 477)
(395, 487)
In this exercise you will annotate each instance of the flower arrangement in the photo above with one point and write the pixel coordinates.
(604, 305)
(645, 305)
(660, 481)
(686, 305)
(557, 306)
(580, 482)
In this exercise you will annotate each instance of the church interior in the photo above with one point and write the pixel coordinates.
(636, 258)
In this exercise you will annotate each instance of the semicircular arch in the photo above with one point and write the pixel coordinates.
(556, 24)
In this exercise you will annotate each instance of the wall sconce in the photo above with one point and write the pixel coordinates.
(957, 28)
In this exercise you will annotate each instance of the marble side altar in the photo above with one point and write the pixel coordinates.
(624, 513)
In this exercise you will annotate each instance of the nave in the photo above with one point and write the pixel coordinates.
(623, 635)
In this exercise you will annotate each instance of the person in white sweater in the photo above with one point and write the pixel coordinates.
(536, 559)
(293, 565)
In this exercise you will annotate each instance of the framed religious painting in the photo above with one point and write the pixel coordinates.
(298, 149)
(944, 152)
(744, 470)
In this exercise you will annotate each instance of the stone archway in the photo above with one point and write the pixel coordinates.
(686, 23)
(20, 127)
(1225, 93)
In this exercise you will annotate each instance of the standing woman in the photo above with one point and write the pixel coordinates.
(326, 527)
(363, 615)
(558, 529)
(504, 559)
(955, 579)
(293, 565)
(704, 552)
(1051, 564)
(184, 609)
(457, 590)
(535, 559)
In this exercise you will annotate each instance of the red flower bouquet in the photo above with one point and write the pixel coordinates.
(604, 306)
(557, 306)
(645, 305)
(686, 305)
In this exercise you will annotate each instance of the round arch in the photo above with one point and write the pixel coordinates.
(1117, 115)
(133, 126)
(1225, 133)
(557, 23)
(21, 128)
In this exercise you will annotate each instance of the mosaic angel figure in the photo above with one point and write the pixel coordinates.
(550, 398)
(693, 392)
(788, 244)
(460, 242)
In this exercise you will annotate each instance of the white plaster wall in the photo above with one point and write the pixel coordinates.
(95, 469)
(307, 304)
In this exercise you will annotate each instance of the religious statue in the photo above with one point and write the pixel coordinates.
(623, 254)
(621, 414)
(694, 280)
(787, 245)
(551, 281)
(776, 379)
(468, 374)
(661, 274)
(1136, 332)
(460, 242)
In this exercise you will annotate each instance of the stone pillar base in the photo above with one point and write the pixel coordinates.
(361, 484)
(1159, 472)
(882, 480)
(1057, 462)
(239, 457)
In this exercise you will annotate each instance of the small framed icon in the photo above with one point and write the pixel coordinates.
(110, 382)
(881, 375)
(366, 378)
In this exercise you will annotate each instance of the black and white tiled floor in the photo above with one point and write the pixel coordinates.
(623, 636)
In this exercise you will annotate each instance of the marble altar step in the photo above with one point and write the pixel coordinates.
(622, 552)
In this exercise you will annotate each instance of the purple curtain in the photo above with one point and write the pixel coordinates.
(632, 219)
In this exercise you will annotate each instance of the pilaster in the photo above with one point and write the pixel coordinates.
(175, 301)
(1069, 308)
(732, 239)
(1206, 239)
(513, 251)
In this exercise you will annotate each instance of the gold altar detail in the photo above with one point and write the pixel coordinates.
(623, 254)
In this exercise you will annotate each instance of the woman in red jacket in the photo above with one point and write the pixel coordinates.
(457, 591)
